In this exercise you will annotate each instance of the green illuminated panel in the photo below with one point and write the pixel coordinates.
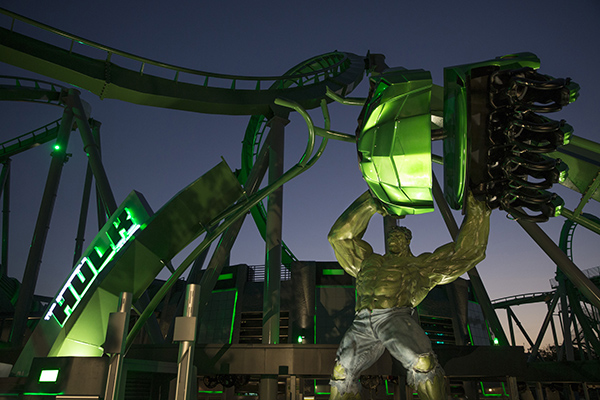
(49, 375)
(333, 272)
(224, 277)
(101, 252)
(394, 143)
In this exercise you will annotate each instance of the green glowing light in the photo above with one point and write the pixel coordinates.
(49, 375)
(333, 272)
(57, 147)
(233, 317)
(300, 339)
(224, 277)
(496, 342)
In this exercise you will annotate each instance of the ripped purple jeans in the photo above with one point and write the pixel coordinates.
(370, 334)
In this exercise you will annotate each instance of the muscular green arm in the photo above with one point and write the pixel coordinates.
(346, 234)
(452, 260)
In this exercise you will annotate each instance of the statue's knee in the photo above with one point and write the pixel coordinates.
(339, 372)
(425, 363)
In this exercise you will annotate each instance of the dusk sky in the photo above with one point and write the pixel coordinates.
(160, 151)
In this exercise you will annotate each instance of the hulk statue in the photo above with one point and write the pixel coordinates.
(388, 288)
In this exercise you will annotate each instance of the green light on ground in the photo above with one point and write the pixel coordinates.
(57, 147)
(49, 375)
(496, 342)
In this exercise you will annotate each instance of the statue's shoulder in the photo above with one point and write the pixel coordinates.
(373, 260)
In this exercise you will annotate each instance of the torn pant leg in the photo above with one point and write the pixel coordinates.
(407, 342)
(359, 349)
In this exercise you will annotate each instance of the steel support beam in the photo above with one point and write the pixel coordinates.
(574, 274)
(544, 328)
(85, 205)
(272, 282)
(566, 319)
(92, 150)
(5, 191)
(36, 250)
(482, 296)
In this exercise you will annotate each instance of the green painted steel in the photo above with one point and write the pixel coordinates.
(456, 146)
(189, 89)
(125, 256)
(583, 158)
(253, 139)
(394, 141)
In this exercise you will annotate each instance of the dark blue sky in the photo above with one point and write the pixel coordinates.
(158, 151)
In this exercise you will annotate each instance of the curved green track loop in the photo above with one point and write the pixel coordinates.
(251, 146)
(566, 234)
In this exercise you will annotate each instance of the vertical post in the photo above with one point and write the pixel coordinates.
(539, 393)
(185, 334)
(92, 151)
(85, 203)
(510, 327)
(5, 190)
(513, 389)
(118, 325)
(586, 392)
(272, 283)
(566, 319)
(42, 225)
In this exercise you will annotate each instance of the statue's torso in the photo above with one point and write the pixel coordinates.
(391, 281)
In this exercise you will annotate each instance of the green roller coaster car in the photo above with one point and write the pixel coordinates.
(394, 141)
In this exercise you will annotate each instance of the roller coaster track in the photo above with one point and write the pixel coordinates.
(187, 89)
(520, 299)
(31, 90)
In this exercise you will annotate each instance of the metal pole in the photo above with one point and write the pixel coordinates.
(85, 203)
(510, 327)
(36, 250)
(482, 296)
(521, 328)
(566, 320)
(92, 151)
(271, 293)
(272, 283)
(185, 334)
(118, 325)
(544, 328)
(582, 282)
(5, 187)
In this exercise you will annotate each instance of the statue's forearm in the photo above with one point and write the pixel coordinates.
(354, 221)
(474, 231)
(347, 232)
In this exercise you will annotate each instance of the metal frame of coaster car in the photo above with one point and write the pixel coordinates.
(496, 142)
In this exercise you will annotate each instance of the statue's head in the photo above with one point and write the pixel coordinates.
(399, 239)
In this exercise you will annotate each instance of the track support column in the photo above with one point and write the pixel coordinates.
(272, 282)
(42, 225)
(92, 151)
(5, 191)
